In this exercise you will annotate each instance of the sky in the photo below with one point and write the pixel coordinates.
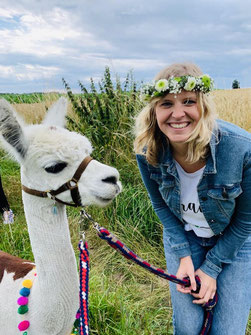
(41, 43)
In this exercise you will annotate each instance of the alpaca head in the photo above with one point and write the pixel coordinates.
(49, 155)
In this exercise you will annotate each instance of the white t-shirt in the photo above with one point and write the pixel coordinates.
(190, 207)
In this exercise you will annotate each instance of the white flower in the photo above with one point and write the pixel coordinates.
(161, 85)
(174, 86)
(190, 84)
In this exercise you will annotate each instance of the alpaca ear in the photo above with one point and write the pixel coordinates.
(11, 132)
(56, 113)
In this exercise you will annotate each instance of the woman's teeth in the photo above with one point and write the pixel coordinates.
(179, 125)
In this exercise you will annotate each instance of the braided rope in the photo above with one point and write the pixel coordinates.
(115, 243)
(83, 288)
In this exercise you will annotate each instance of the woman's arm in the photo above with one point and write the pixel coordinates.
(236, 232)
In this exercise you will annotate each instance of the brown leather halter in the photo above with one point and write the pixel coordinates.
(71, 185)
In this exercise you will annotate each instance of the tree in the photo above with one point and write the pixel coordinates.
(236, 84)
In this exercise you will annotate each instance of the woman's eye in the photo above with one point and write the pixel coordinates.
(58, 167)
(166, 104)
(189, 102)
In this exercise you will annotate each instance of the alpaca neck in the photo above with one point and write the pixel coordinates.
(57, 276)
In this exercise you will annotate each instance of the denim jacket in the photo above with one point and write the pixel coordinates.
(224, 194)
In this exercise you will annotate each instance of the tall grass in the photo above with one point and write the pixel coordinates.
(124, 299)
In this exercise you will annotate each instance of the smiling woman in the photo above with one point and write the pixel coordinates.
(202, 199)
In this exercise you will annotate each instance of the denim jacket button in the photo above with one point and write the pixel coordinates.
(204, 198)
(212, 220)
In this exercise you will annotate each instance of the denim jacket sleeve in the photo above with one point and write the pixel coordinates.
(236, 232)
(171, 224)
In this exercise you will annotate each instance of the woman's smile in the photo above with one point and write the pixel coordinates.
(181, 125)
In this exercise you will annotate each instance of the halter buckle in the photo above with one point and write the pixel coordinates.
(71, 184)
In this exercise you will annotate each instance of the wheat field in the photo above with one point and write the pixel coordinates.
(234, 106)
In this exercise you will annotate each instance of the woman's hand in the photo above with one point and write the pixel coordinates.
(186, 269)
(207, 289)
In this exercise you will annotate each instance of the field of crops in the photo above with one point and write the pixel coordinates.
(234, 106)
(124, 299)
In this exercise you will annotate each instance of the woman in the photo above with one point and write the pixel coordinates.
(197, 171)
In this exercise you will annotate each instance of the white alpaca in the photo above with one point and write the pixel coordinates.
(49, 155)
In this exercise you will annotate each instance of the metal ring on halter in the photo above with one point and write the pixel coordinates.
(95, 225)
(83, 224)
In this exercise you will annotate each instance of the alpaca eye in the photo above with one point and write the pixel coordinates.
(56, 168)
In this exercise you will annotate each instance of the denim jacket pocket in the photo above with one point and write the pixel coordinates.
(224, 198)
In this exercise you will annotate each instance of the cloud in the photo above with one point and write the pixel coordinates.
(240, 52)
(77, 39)
(41, 35)
(8, 13)
(28, 72)
(6, 71)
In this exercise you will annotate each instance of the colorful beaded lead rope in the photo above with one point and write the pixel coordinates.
(81, 324)
(83, 289)
(23, 300)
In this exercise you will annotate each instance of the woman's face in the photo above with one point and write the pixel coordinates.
(178, 115)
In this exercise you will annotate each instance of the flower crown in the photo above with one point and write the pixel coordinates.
(161, 87)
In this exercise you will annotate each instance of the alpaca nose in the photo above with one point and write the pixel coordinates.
(110, 180)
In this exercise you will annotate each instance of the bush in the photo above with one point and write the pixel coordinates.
(105, 115)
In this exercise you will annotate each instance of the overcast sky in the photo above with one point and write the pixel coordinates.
(41, 43)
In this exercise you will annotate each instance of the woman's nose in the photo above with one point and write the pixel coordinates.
(178, 111)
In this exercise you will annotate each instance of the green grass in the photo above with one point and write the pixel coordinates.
(28, 98)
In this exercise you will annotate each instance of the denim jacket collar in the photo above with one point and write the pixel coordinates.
(167, 158)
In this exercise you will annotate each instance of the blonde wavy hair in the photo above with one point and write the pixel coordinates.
(150, 141)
